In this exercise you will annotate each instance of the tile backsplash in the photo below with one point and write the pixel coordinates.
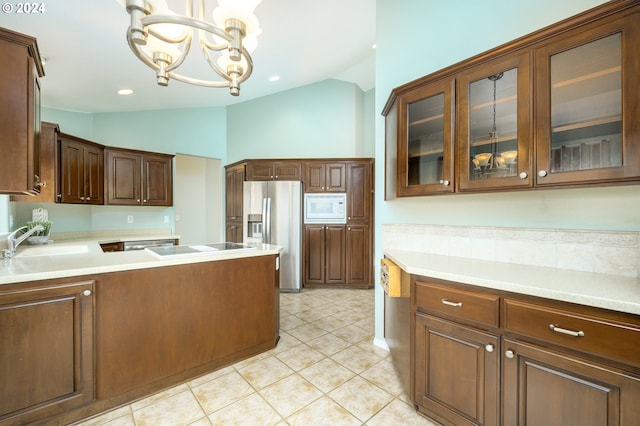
(608, 252)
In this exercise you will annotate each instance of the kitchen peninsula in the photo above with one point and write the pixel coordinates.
(86, 331)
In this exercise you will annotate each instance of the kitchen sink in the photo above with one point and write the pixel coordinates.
(52, 250)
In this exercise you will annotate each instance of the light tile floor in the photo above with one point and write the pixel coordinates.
(324, 371)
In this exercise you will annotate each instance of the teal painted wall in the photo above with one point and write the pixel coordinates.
(318, 120)
(418, 37)
(194, 131)
(73, 123)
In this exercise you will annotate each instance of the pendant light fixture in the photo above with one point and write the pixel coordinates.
(162, 39)
(495, 162)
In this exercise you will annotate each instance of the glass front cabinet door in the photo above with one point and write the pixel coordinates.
(588, 113)
(425, 148)
(494, 133)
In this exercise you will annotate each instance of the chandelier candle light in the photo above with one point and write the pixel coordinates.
(162, 39)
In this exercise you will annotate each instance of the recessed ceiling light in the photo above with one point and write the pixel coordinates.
(274, 78)
(124, 92)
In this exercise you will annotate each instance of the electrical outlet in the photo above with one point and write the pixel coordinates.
(129, 219)
(166, 219)
(177, 218)
(10, 222)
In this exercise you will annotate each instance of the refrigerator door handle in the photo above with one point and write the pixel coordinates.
(266, 220)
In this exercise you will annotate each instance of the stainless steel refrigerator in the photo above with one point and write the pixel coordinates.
(272, 214)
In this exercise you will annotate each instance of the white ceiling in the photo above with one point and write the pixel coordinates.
(88, 58)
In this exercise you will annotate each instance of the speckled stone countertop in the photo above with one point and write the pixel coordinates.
(85, 257)
(605, 291)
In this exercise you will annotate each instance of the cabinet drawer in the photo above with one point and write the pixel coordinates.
(594, 335)
(468, 305)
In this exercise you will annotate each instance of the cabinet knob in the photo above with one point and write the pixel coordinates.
(138, 200)
(509, 353)
(82, 198)
(445, 182)
(322, 187)
(489, 347)
(349, 229)
(87, 292)
(523, 175)
(276, 176)
(542, 173)
(41, 184)
(88, 198)
(144, 201)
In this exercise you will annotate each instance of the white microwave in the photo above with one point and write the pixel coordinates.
(325, 208)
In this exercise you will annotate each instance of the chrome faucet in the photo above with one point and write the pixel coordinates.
(13, 242)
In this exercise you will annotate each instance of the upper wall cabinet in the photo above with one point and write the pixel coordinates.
(494, 125)
(19, 113)
(588, 104)
(273, 170)
(137, 178)
(49, 167)
(558, 107)
(321, 176)
(81, 171)
(425, 140)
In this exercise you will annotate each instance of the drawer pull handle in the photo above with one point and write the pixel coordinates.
(448, 303)
(557, 329)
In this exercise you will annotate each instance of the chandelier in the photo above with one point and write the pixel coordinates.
(162, 39)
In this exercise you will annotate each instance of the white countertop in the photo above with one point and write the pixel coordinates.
(95, 261)
(612, 292)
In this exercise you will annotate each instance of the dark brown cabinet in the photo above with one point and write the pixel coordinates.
(46, 362)
(324, 177)
(486, 357)
(554, 108)
(359, 192)
(49, 167)
(548, 387)
(234, 181)
(424, 159)
(20, 113)
(137, 178)
(324, 254)
(358, 255)
(273, 170)
(81, 171)
(456, 372)
(494, 122)
(587, 104)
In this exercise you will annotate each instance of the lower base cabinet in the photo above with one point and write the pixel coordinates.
(486, 357)
(337, 256)
(324, 254)
(456, 372)
(47, 349)
(548, 387)
(233, 232)
(358, 254)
